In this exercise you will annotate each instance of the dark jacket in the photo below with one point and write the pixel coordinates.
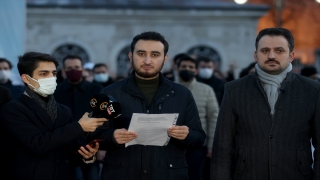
(14, 89)
(105, 84)
(5, 95)
(250, 144)
(217, 85)
(37, 148)
(76, 97)
(150, 162)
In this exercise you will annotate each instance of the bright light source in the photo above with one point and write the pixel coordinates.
(244, 1)
(318, 1)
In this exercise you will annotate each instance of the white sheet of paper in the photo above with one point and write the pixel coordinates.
(152, 129)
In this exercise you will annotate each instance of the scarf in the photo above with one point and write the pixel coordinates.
(50, 106)
(271, 84)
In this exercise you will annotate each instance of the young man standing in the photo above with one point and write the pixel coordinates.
(41, 135)
(267, 119)
(147, 91)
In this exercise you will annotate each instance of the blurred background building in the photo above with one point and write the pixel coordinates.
(101, 30)
(302, 18)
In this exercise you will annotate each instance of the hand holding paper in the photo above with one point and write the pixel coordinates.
(123, 136)
(152, 129)
(178, 132)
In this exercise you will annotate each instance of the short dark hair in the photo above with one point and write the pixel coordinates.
(100, 65)
(69, 56)
(245, 71)
(179, 56)
(308, 71)
(29, 61)
(204, 59)
(7, 61)
(187, 58)
(150, 35)
(277, 32)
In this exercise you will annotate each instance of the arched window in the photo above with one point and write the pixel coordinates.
(203, 50)
(123, 62)
(70, 49)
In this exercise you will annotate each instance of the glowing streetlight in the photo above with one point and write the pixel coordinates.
(242, 1)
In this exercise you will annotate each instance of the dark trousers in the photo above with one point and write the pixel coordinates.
(196, 161)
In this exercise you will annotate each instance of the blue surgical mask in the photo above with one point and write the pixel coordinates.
(205, 73)
(101, 78)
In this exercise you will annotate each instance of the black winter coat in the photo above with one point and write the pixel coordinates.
(35, 147)
(150, 162)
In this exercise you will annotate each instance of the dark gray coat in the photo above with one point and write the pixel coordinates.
(250, 144)
(138, 162)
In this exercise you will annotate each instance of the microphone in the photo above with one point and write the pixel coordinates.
(98, 105)
(104, 106)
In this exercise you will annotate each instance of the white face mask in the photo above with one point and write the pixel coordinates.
(4, 75)
(205, 73)
(47, 86)
(101, 78)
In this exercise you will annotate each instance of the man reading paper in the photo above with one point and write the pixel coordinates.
(147, 91)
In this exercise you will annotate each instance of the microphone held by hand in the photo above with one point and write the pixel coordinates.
(104, 106)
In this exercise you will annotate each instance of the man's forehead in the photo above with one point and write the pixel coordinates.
(273, 41)
(46, 66)
(149, 45)
(4, 64)
(206, 63)
(187, 63)
(72, 62)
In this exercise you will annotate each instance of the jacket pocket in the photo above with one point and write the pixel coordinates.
(241, 160)
(302, 162)
(177, 169)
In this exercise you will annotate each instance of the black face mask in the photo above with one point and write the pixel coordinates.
(186, 75)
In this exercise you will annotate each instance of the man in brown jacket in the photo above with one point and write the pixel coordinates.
(267, 119)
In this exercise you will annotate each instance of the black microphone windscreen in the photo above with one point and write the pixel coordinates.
(99, 104)
(114, 110)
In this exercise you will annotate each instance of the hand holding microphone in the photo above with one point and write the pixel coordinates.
(104, 106)
(90, 124)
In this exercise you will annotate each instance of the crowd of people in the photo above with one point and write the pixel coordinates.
(263, 125)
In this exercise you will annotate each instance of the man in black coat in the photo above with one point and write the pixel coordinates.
(41, 133)
(147, 91)
(75, 92)
(268, 119)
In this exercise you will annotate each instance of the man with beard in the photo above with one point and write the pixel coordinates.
(267, 119)
(147, 91)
